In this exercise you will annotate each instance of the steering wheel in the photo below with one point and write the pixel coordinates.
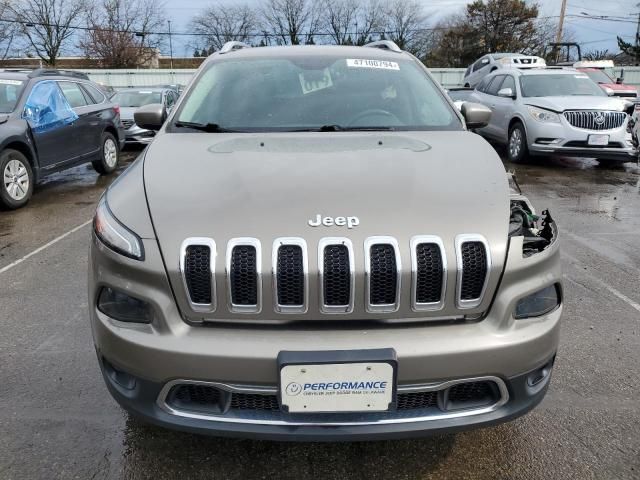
(373, 112)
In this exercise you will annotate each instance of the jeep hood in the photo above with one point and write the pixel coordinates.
(267, 186)
(577, 102)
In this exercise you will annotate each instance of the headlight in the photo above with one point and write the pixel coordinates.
(539, 303)
(115, 235)
(544, 116)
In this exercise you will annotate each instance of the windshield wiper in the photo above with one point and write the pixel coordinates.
(340, 128)
(205, 127)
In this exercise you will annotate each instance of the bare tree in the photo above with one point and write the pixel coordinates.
(8, 30)
(47, 24)
(120, 32)
(219, 24)
(290, 20)
(406, 25)
(341, 18)
(370, 20)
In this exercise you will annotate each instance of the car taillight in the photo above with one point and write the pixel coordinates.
(116, 108)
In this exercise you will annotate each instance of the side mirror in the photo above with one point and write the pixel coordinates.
(475, 115)
(150, 117)
(506, 92)
(619, 80)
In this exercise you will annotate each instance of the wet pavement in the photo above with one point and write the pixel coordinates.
(58, 421)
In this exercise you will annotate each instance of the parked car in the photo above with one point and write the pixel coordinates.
(459, 95)
(596, 71)
(339, 265)
(130, 99)
(494, 61)
(51, 120)
(555, 111)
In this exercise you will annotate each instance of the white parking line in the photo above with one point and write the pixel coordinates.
(593, 278)
(43, 247)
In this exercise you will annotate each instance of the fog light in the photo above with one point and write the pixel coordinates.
(122, 307)
(539, 303)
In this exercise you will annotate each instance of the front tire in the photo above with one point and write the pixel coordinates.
(16, 187)
(109, 155)
(517, 149)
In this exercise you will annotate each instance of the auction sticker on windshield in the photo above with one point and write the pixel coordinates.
(337, 387)
(363, 63)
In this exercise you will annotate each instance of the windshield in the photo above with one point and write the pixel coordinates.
(9, 93)
(599, 76)
(136, 99)
(312, 92)
(559, 85)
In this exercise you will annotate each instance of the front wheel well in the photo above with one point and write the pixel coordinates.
(25, 150)
(513, 122)
(113, 132)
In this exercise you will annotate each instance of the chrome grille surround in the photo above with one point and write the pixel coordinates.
(432, 306)
(328, 420)
(253, 242)
(280, 242)
(460, 240)
(326, 242)
(207, 242)
(368, 243)
(595, 119)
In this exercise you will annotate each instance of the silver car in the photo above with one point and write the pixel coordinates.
(130, 99)
(495, 61)
(555, 111)
(344, 260)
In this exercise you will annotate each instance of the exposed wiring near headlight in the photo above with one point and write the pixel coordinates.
(114, 234)
(536, 230)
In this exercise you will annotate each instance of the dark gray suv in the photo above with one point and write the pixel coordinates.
(51, 120)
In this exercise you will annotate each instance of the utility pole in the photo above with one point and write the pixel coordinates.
(170, 46)
(563, 10)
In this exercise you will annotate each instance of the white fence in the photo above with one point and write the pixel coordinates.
(448, 77)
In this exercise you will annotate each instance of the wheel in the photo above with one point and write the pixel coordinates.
(17, 179)
(517, 149)
(109, 155)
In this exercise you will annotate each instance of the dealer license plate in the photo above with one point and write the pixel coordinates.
(337, 387)
(598, 140)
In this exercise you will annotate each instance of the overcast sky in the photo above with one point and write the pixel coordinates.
(592, 34)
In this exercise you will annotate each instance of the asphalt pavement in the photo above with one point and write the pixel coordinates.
(57, 420)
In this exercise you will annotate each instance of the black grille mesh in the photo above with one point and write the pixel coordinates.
(243, 275)
(470, 392)
(197, 273)
(474, 270)
(250, 401)
(429, 273)
(290, 275)
(337, 276)
(195, 395)
(384, 274)
(413, 400)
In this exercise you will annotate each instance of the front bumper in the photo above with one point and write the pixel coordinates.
(135, 134)
(572, 141)
(145, 400)
(169, 349)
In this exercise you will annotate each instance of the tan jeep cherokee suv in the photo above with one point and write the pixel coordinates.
(314, 247)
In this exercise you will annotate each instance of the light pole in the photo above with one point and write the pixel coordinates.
(170, 46)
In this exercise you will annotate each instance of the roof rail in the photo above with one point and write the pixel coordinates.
(385, 45)
(51, 72)
(231, 46)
